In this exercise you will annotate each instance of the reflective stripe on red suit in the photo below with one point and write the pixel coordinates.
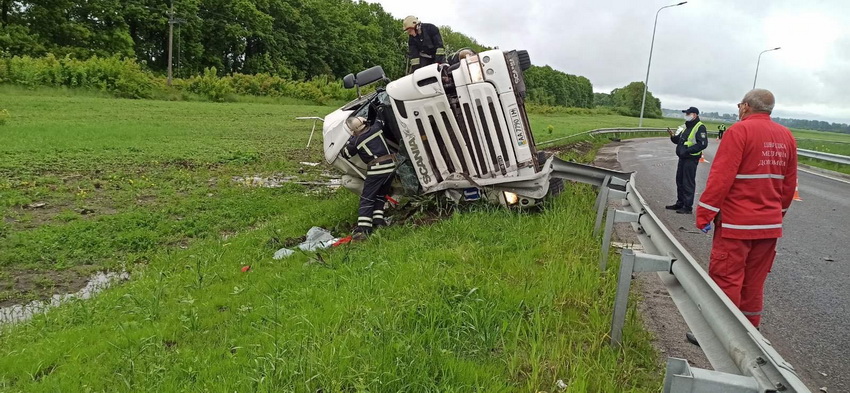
(750, 187)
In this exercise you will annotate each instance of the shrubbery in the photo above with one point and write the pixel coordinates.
(123, 78)
(126, 78)
(562, 110)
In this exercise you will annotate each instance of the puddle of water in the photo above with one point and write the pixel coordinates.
(97, 283)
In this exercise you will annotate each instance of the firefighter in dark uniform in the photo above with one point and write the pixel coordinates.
(425, 44)
(689, 146)
(367, 141)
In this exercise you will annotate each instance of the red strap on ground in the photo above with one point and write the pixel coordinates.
(342, 241)
(392, 201)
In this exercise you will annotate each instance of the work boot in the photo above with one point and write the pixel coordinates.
(691, 338)
(675, 206)
(378, 222)
(685, 210)
(359, 235)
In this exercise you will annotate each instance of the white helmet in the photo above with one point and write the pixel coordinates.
(355, 125)
(410, 22)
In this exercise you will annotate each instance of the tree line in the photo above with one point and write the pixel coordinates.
(627, 101)
(290, 39)
(817, 125)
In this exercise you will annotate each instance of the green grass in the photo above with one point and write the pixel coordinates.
(487, 300)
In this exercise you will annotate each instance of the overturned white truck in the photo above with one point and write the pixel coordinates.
(460, 128)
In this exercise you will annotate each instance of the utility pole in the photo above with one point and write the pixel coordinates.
(170, 38)
(171, 22)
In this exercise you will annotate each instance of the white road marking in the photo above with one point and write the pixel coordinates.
(823, 175)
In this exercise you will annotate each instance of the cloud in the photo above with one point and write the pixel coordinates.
(704, 52)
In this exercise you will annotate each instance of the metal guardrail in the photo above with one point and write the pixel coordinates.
(743, 360)
(829, 157)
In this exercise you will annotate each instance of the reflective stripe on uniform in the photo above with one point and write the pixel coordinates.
(441, 51)
(364, 221)
(692, 137)
(760, 176)
(369, 139)
(414, 61)
(709, 207)
(380, 171)
(752, 227)
(390, 164)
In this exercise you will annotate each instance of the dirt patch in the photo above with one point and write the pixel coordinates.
(607, 157)
(576, 149)
(18, 286)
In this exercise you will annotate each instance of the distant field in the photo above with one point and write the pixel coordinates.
(487, 300)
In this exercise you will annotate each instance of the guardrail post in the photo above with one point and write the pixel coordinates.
(606, 195)
(614, 216)
(601, 204)
(681, 378)
(631, 262)
(602, 192)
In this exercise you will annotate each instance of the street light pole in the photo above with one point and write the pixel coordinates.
(651, 46)
(759, 62)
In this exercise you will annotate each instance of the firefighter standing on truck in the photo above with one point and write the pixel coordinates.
(425, 44)
(367, 141)
(689, 146)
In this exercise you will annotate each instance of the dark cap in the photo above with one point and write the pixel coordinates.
(691, 110)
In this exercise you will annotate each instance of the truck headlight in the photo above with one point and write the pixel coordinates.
(476, 73)
(511, 198)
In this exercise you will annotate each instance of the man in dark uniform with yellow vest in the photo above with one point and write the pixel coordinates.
(425, 44)
(689, 146)
(367, 142)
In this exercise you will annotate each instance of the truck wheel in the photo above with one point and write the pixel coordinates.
(524, 59)
(556, 185)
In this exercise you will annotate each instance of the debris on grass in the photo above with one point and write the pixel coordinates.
(279, 180)
(316, 239)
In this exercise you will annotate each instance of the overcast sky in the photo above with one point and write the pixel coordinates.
(705, 51)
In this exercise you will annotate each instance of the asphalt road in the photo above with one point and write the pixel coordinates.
(806, 314)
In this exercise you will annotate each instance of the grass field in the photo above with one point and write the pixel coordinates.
(485, 300)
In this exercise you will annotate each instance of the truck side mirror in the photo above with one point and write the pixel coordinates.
(348, 81)
(370, 75)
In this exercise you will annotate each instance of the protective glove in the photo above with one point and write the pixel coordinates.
(706, 228)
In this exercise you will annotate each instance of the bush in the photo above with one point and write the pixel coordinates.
(563, 110)
(209, 85)
(126, 78)
(121, 77)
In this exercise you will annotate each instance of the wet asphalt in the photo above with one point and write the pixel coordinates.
(806, 316)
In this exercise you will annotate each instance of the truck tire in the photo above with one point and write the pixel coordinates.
(524, 59)
(556, 185)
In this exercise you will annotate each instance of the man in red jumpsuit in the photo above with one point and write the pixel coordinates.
(750, 187)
